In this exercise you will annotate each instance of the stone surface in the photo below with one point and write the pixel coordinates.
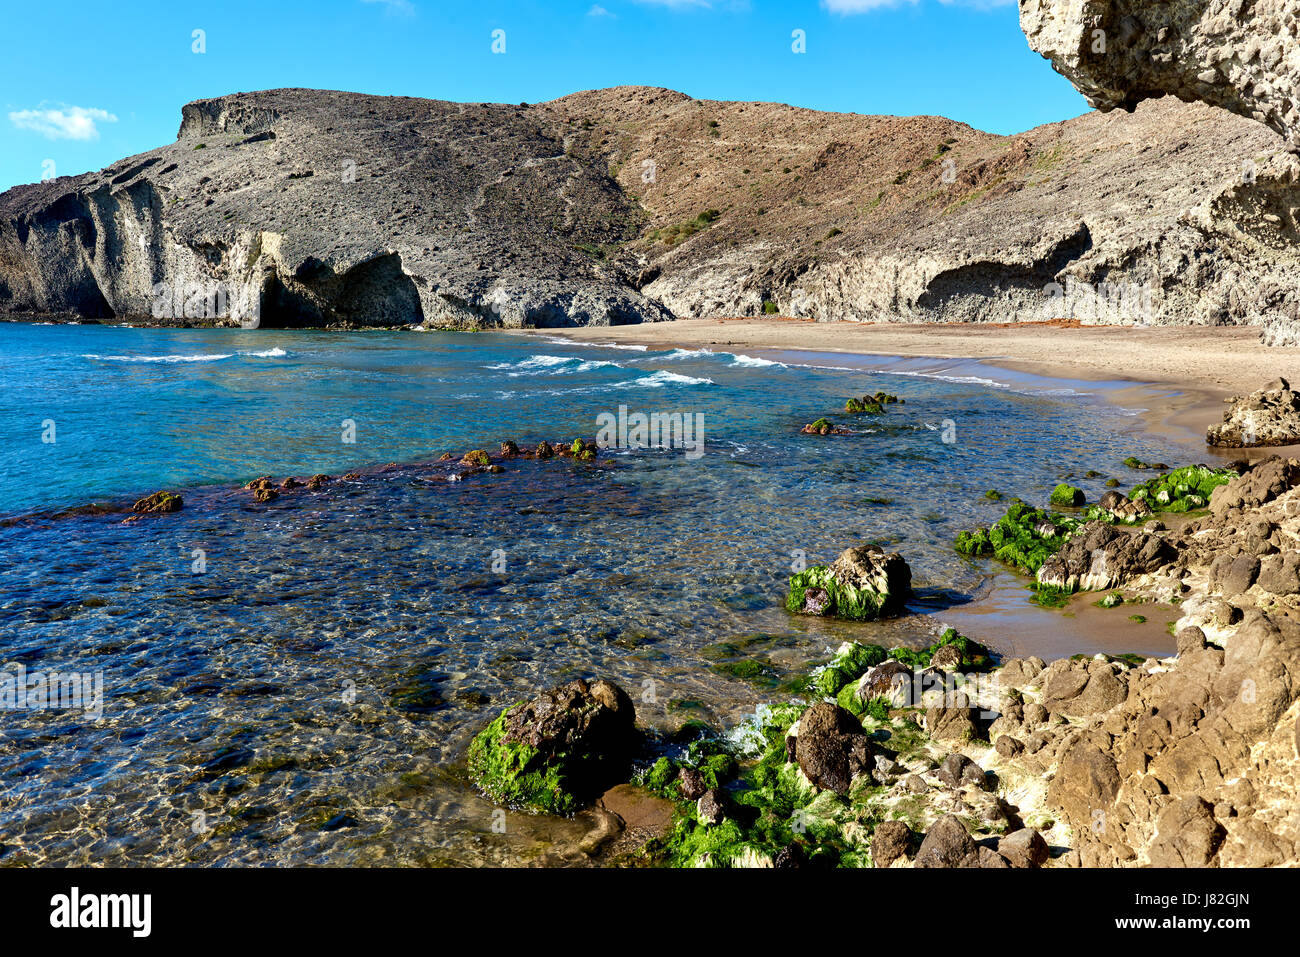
(1081, 688)
(953, 723)
(831, 747)
(325, 208)
(1243, 57)
(1270, 416)
(948, 844)
(1187, 835)
(1024, 848)
(1086, 783)
(890, 841)
(709, 808)
(1100, 556)
(960, 771)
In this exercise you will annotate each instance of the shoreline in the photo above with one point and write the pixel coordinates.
(1176, 377)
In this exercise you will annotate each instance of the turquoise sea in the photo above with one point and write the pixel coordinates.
(296, 682)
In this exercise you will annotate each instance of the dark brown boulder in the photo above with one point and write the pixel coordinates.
(948, 844)
(691, 783)
(1023, 848)
(577, 718)
(959, 771)
(831, 748)
(891, 840)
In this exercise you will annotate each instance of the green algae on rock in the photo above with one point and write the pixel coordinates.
(1067, 495)
(777, 814)
(1024, 537)
(862, 584)
(1182, 490)
(557, 751)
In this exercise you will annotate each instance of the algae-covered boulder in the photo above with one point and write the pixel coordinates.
(559, 750)
(863, 584)
(1024, 537)
(1068, 495)
(1182, 490)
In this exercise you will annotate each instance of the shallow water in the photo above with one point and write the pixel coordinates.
(307, 695)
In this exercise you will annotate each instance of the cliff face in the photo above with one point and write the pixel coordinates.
(324, 208)
(1242, 55)
(301, 207)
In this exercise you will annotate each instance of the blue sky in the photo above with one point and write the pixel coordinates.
(84, 84)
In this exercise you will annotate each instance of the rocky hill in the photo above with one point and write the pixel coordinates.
(300, 207)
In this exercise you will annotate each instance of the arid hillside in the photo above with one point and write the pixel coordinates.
(633, 204)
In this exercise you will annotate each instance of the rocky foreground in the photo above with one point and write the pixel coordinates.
(318, 208)
(940, 757)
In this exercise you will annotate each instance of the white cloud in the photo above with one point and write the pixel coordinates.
(404, 7)
(860, 6)
(724, 6)
(599, 11)
(63, 122)
(676, 4)
(863, 6)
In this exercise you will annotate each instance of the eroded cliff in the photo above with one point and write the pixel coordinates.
(301, 207)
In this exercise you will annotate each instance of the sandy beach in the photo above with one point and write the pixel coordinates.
(1179, 375)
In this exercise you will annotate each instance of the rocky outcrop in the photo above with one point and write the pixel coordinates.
(300, 207)
(158, 502)
(863, 583)
(831, 748)
(305, 207)
(1100, 556)
(1241, 56)
(1270, 416)
(559, 750)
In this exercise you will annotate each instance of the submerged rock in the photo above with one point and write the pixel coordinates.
(158, 502)
(864, 583)
(557, 751)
